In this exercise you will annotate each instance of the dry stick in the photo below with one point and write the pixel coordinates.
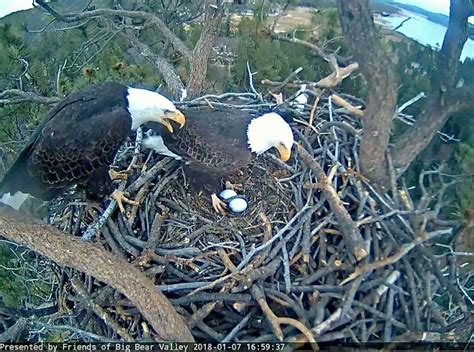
(337, 76)
(100, 222)
(238, 327)
(154, 233)
(19, 96)
(74, 330)
(351, 234)
(241, 267)
(267, 234)
(13, 332)
(285, 81)
(402, 252)
(97, 262)
(79, 287)
(138, 198)
(346, 105)
(302, 328)
(275, 321)
(388, 323)
(259, 296)
(313, 110)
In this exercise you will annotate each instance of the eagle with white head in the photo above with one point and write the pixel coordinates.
(217, 142)
(79, 138)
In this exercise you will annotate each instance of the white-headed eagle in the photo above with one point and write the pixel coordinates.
(215, 143)
(79, 138)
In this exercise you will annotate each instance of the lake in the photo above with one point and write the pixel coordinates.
(423, 31)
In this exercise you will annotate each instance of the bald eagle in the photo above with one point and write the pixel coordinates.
(217, 142)
(78, 140)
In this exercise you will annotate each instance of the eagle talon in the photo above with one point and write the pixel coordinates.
(120, 198)
(218, 205)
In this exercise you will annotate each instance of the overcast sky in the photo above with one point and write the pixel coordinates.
(9, 6)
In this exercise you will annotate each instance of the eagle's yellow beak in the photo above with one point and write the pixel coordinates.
(284, 152)
(176, 116)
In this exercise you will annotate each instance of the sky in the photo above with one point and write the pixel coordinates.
(9, 6)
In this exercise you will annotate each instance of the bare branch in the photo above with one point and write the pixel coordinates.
(154, 21)
(313, 47)
(338, 75)
(16, 96)
(346, 105)
(166, 70)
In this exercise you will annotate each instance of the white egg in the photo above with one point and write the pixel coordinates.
(238, 205)
(227, 193)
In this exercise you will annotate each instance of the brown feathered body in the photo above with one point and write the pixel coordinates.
(75, 144)
(213, 144)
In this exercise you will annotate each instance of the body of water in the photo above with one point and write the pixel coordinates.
(423, 31)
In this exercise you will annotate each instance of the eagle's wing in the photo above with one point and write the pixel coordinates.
(81, 134)
(71, 150)
(213, 140)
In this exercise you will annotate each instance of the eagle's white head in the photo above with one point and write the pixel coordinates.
(147, 106)
(270, 131)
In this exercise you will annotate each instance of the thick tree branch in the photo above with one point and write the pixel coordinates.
(360, 33)
(446, 99)
(104, 266)
(153, 20)
(453, 43)
(166, 70)
(430, 121)
(16, 96)
(315, 49)
(198, 63)
(292, 39)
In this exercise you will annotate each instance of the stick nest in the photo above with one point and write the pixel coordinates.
(283, 269)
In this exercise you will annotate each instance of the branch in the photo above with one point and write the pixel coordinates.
(351, 234)
(16, 96)
(103, 265)
(167, 71)
(337, 76)
(399, 254)
(199, 60)
(346, 105)
(330, 81)
(154, 21)
(427, 125)
(313, 47)
(446, 99)
(13, 332)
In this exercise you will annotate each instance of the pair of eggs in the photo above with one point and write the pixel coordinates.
(236, 204)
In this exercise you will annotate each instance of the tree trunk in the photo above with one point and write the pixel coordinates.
(446, 99)
(439, 109)
(199, 60)
(377, 67)
(166, 70)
